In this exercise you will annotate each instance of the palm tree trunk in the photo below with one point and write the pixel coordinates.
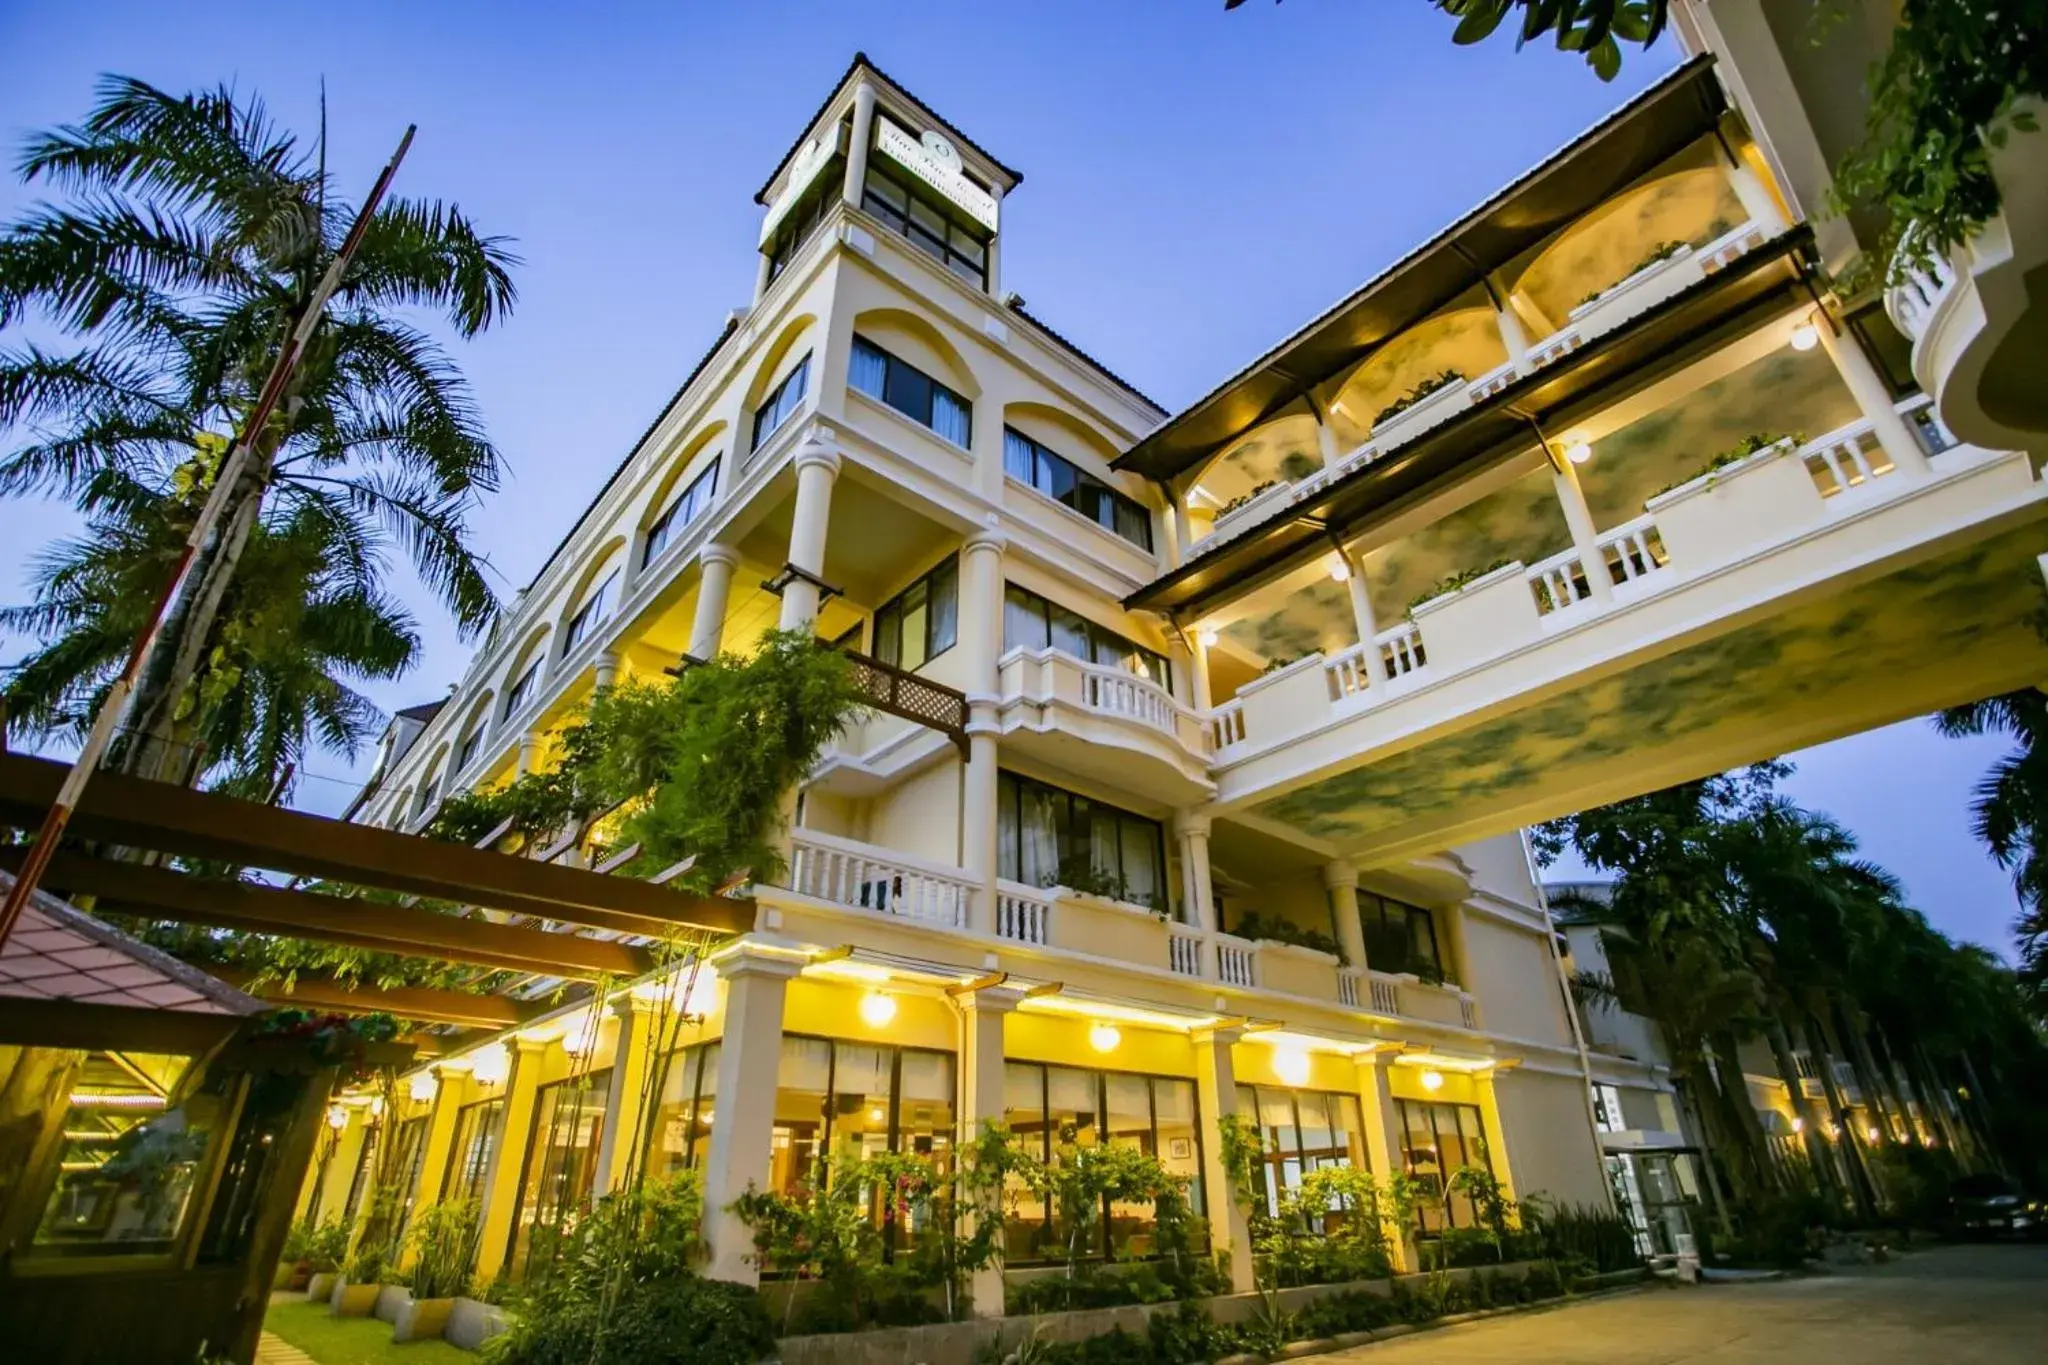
(1860, 1187)
(1934, 1096)
(1813, 1139)
(1735, 1096)
(1982, 1113)
(1868, 1081)
(1888, 1070)
(1711, 1175)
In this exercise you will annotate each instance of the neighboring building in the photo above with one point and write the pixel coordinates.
(1174, 658)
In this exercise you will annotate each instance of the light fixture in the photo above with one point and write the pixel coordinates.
(1290, 1063)
(423, 1088)
(1104, 1037)
(581, 1034)
(1207, 635)
(876, 1115)
(376, 1106)
(1798, 1125)
(1339, 570)
(491, 1065)
(95, 1099)
(337, 1117)
(1578, 452)
(1432, 1080)
(1805, 337)
(1870, 1133)
(877, 1009)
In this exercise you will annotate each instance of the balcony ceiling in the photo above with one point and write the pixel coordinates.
(1758, 288)
(1662, 121)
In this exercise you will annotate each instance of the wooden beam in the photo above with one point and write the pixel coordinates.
(159, 893)
(72, 1023)
(408, 1002)
(163, 818)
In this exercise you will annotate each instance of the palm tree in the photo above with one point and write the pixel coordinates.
(196, 230)
(297, 626)
(2011, 810)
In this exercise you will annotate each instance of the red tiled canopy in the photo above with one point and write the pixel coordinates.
(58, 953)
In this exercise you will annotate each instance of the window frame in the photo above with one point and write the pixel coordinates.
(1273, 1159)
(1373, 928)
(1040, 453)
(948, 569)
(891, 362)
(665, 530)
(773, 402)
(489, 1110)
(531, 1188)
(1097, 634)
(523, 687)
(805, 217)
(950, 258)
(1440, 1202)
(595, 611)
(1076, 841)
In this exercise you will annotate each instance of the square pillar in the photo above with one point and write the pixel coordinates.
(982, 1013)
(625, 1103)
(341, 1165)
(508, 1160)
(1383, 1143)
(1216, 1092)
(749, 1060)
(451, 1092)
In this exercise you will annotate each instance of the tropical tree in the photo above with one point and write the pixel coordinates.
(2011, 814)
(1588, 26)
(192, 233)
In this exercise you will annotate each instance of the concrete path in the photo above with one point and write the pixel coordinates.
(272, 1349)
(1970, 1305)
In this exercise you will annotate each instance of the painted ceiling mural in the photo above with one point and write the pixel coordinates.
(1840, 653)
(1284, 448)
(1693, 204)
(1466, 340)
(1785, 393)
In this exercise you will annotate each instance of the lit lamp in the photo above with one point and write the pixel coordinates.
(1578, 452)
(1798, 1125)
(1290, 1063)
(1339, 570)
(581, 1035)
(1104, 1037)
(1207, 635)
(877, 1009)
(1432, 1080)
(337, 1117)
(491, 1065)
(1805, 337)
(423, 1088)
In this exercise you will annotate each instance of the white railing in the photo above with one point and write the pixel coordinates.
(1386, 993)
(1023, 914)
(1656, 282)
(1234, 961)
(1226, 725)
(1492, 382)
(1468, 1011)
(1184, 950)
(1241, 517)
(1912, 300)
(1557, 582)
(1850, 457)
(1113, 692)
(1633, 551)
(1349, 673)
(1556, 346)
(879, 879)
(1401, 649)
(1347, 986)
(1730, 247)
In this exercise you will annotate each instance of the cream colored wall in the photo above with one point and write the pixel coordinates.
(1550, 1139)
(921, 815)
(1499, 866)
(1509, 969)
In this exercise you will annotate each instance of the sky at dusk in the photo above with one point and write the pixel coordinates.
(1197, 185)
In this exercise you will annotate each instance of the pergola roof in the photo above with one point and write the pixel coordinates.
(58, 953)
(1662, 121)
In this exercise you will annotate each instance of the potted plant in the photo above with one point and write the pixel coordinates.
(326, 1245)
(293, 1269)
(355, 1293)
(443, 1243)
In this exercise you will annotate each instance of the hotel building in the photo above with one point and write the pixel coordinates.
(1598, 489)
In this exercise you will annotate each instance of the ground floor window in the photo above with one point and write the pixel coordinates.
(409, 1155)
(1651, 1193)
(478, 1127)
(1301, 1131)
(683, 1110)
(1049, 1107)
(1437, 1139)
(365, 1172)
(561, 1160)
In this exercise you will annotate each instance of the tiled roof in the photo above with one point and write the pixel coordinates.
(425, 711)
(58, 953)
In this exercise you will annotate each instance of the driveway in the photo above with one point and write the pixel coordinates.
(1967, 1305)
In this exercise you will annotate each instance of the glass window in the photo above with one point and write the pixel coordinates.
(1303, 1130)
(923, 621)
(781, 402)
(594, 610)
(465, 755)
(521, 691)
(935, 227)
(1049, 1107)
(910, 391)
(803, 218)
(683, 1111)
(1031, 622)
(1053, 474)
(1400, 937)
(477, 1129)
(1049, 837)
(1437, 1139)
(681, 514)
(130, 1160)
(561, 1160)
(856, 1100)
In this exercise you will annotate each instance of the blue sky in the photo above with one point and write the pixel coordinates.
(1196, 185)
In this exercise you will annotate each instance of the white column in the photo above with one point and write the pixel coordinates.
(982, 1014)
(1383, 1140)
(981, 638)
(1326, 440)
(1867, 388)
(1216, 1093)
(817, 467)
(607, 671)
(1361, 606)
(857, 147)
(761, 280)
(1341, 878)
(1565, 478)
(1199, 679)
(742, 1126)
(1183, 531)
(1181, 655)
(1197, 897)
(995, 248)
(625, 1103)
(715, 564)
(1512, 335)
(1755, 197)
(529, 744)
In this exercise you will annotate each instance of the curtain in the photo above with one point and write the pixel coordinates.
(868, 371)
(1038, 836)
(950, 418)
(1017, 453)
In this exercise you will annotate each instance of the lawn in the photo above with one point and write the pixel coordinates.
(353, 1341)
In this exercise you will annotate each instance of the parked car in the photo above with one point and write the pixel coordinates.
(1986, 1204)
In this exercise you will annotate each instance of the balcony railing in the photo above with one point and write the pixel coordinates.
(877, 879)
(900, 693)
(1023, 914)
(1234, 961)
(1644, 290)
(1113, 692)
(1850, 457)
(1184, 950)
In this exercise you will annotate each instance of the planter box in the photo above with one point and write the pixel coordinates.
(1433, 411)
(1106, 928)
(290, 1275)
(1481, 621)
(1285, 701)
(1294, 970)
(1727, 513)
(471, 1323)
(392, 1299)
(422, 1319)
(353, 1300)
(320, 1285)
(1639, 293)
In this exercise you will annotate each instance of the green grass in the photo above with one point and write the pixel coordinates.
(353, 1341)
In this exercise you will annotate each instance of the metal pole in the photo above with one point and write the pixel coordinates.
(147, 638)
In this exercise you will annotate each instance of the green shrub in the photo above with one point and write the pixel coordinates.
(1451, 583)
(1443, 379)
(443, 1239)
(1280, 929)
(659, 1322)
(325, 1246)
(1566, 1231)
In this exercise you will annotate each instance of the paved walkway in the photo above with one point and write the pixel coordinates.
(1970, 1305)
(272, 1349)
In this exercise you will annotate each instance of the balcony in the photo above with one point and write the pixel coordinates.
(1644, 290)
(1095, 719)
